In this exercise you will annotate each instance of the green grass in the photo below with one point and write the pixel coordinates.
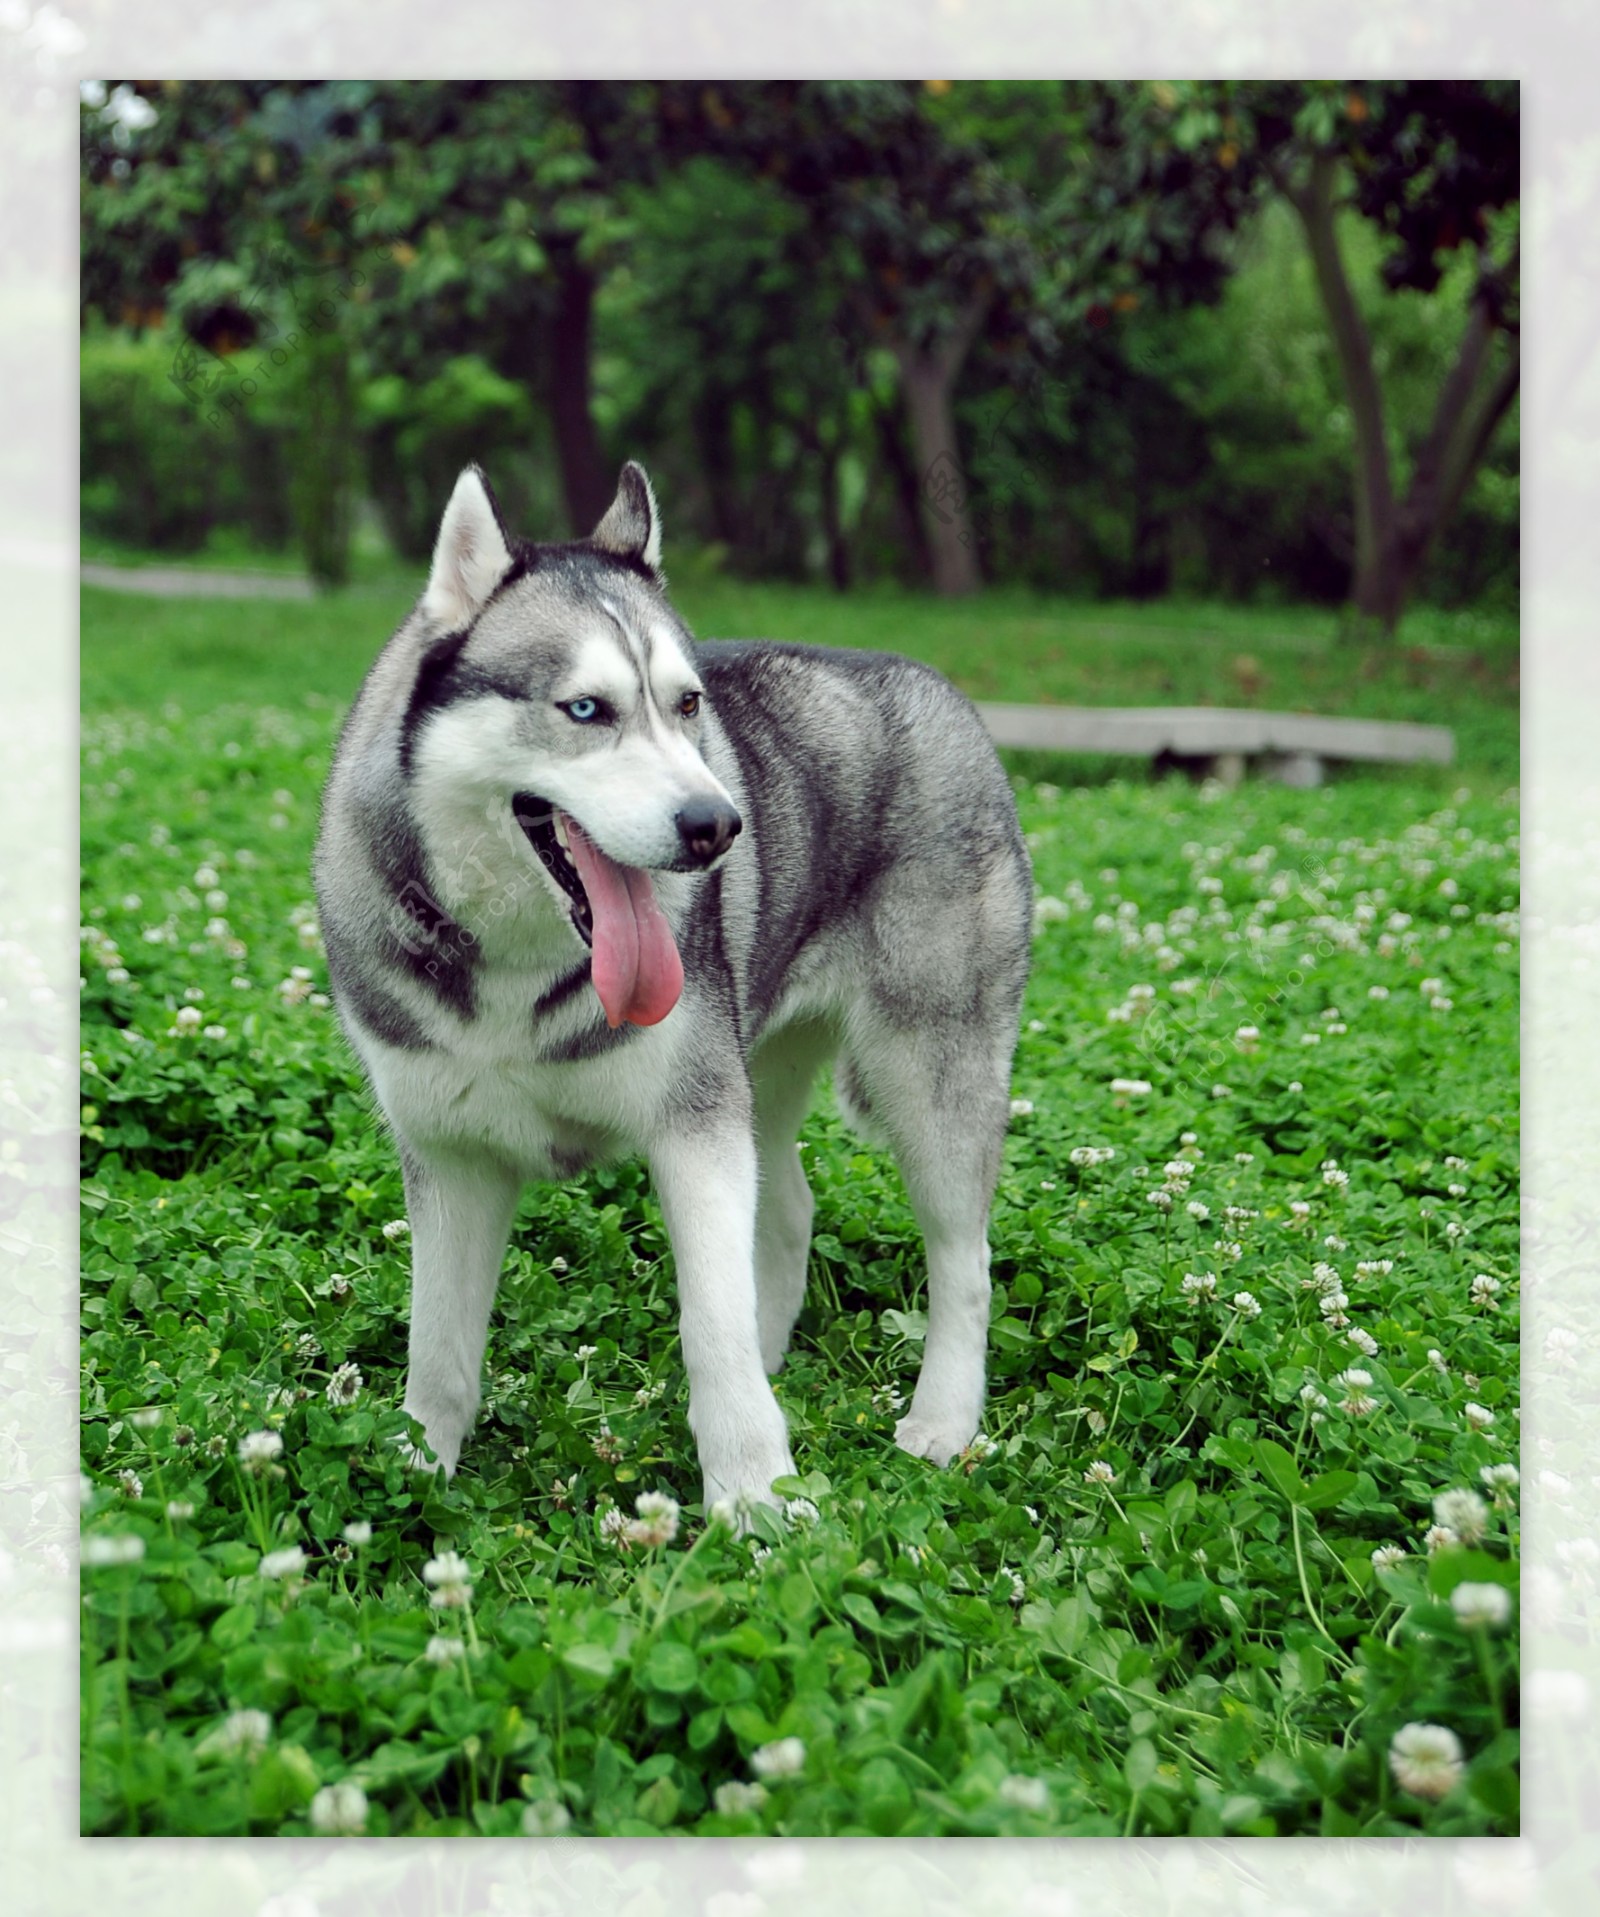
(1455, 669)
(1148, 1605)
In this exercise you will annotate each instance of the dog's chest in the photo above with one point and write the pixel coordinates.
(491, 1083)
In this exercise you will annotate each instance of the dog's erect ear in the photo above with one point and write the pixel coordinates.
(471, 556)
(631, 527)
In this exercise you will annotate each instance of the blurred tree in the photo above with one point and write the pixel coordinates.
(223, 209)
(1434, 166)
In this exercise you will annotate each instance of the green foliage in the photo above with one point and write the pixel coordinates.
(1147, 1605)
(731, 281)
(420, 437)
(152, 472)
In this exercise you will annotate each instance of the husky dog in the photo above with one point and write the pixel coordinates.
(589, 887)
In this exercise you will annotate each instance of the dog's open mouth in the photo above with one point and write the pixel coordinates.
(635, 966)
(537, 817)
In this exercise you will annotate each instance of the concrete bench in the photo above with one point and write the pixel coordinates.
(1221, 742)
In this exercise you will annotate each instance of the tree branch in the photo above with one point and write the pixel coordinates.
(1313, 201)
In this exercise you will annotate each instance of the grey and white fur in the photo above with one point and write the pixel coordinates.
(821, 840)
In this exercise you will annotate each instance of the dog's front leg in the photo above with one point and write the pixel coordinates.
(705, 1180)
(460, 1214)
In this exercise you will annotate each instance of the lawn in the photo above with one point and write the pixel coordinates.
(1245, 1511)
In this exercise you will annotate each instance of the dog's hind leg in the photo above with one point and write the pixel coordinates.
(782, 1073)
(942, 1103)
(460, 1213)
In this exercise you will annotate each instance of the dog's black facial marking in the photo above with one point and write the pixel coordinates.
(536, 816)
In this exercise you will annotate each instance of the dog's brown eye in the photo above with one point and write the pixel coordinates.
(689, 704)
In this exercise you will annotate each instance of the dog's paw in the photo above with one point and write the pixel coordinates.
(933, 1439)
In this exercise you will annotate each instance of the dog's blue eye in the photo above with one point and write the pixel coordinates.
(585, 710)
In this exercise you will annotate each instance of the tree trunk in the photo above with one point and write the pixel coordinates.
(585, 478)
(1376, 588)
(832, 521)
(891, 442)
(322, 479)
(1393, 539)
(927, 379)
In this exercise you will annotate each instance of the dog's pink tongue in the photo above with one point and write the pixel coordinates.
(636, 968)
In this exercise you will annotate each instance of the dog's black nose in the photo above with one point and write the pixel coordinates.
(707, 827)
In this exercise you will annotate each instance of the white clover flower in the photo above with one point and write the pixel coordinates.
(1222, 1091)
(1505, 1477)
(1162, 1200)
(287, 1563)
(339, 1810)
(785, 1758)
(1561, 1347)
(130, 1484)
(1332, 1176)
(1556, 1695)
(545, 1817)
(1363, 1341)
(1022, 1108)
(344, 1387)
(1389, 1554)
(214, 1031)
(1425, 1760)
(447, 1579)
(1244, 1158)
(1454, 1229)
(1024, 1793)
(1374, 1267)
(101, 1551)
(145, 1420)
(1332, 1303)
(1131, 1087)
(257, 1449)
(613, 1523)
(585, 1352)
(657, 1522)
(1247, 1037)
(444, 1650)
(1438, 1537)
(734, 1799)
(1246, 1304)
(1299, 1208)
(800, 1511)
(1199, 1285)
(558, 1265)
(187, 1019)
(396, 1228)
(1019, 1590)
(1178, 1171)
(244, 1732)
(1463, 1512)
(358, 1533)
(1198, 1212)
(1436, 1359)
(1480, 1417)
(1485, 1605)
(1334, 1242)
(1484, 1288)
(1377, 991)
(1100, 1473)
